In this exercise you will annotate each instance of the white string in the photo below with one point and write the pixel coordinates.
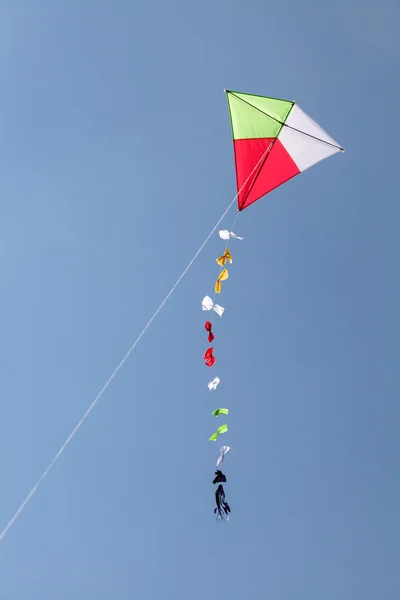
(106, 385)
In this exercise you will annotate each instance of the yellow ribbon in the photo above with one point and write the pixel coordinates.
(222, 277)
(221, 260)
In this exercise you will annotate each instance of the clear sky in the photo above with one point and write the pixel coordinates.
(116, 161)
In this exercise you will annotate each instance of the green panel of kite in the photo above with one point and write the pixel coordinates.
(256, 116)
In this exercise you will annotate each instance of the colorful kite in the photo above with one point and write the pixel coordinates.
(273, 141)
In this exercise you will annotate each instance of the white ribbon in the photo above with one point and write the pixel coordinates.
(208, 304)
(225, 235)
(223, 450)
(213, 384)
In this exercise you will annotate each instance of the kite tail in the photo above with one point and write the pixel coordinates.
(222, 510)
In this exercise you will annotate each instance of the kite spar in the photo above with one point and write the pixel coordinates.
(273, 141)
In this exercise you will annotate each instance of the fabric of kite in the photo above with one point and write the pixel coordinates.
(274, 140)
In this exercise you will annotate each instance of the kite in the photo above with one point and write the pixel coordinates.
(273, 141)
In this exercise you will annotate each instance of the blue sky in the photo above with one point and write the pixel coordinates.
(116, 161)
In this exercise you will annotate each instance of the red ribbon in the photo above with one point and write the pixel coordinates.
(211, 336)
(209, 358)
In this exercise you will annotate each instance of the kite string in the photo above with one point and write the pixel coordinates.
(123, 361)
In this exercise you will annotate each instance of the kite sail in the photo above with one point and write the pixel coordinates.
(273, 141)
